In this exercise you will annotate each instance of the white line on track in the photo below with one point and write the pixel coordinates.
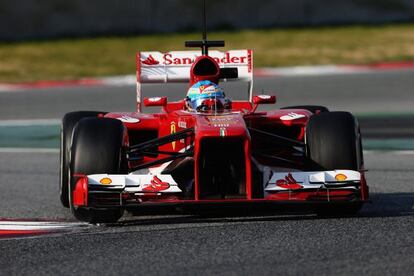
(126, 80)
(395, 152)
(311, 70)
(29, 150)
(37, 225)
(30, 122)
(404, 152)
(8, 88)
(4, 88)
(130, 80)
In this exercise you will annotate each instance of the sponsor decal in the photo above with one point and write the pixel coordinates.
(215, 119)
(288, 183)
(264, 97)
(105, 181)
(341, 177)
(154, 99)
(221, 121)
(249, 61)
(292, 116)
(173, 130)
(150, 61)
(156, 185)
(223, 131)
(127, 119)
(182, 124)
(169, 59)
(206, 89)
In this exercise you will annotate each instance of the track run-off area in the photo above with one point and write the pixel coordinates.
(379, 241)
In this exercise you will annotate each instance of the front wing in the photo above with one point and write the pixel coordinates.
(132, 190)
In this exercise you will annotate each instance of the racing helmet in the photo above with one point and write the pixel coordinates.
(206, 96)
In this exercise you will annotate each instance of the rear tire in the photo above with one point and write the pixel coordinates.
(333, 142)
(97, 147)
(69, 122)
(315, 109)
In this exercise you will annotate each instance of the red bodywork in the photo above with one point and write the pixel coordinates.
(210, 130)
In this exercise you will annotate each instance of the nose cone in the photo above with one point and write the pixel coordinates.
(225, 125)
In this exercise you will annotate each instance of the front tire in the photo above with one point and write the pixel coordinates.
(97, 147)
(333, 142)
(69, 122)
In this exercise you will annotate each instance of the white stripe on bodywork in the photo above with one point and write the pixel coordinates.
(158, 170)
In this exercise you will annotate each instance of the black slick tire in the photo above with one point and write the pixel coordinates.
(69, 122)
(97, 147)
(333, 141)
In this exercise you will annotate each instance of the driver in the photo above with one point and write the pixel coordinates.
(206, 96)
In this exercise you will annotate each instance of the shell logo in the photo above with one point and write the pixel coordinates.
(105, 181)
(173, 130)
(341, 177)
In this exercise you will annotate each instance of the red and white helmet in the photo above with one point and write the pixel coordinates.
(206, 96)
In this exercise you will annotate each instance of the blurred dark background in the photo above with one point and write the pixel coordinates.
(43, 19)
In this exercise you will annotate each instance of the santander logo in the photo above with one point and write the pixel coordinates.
(156, 185)
(150, 61)
(169, 59)
(288, 183)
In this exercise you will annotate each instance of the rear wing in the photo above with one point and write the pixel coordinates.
(157, 67)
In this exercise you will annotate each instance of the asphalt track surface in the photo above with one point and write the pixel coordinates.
(380, 241)
(377, 242)
(381, 92)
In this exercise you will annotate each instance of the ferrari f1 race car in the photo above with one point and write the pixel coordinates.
(207, 150)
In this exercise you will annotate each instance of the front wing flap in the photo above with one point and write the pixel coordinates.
(133, 183)
(318, 186)
(282, 181)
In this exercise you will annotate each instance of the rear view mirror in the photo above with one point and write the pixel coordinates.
(264, 99)
(155, 101)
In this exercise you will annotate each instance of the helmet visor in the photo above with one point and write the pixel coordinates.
(211, 101)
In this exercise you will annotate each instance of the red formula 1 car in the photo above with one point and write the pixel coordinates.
(207, 150)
